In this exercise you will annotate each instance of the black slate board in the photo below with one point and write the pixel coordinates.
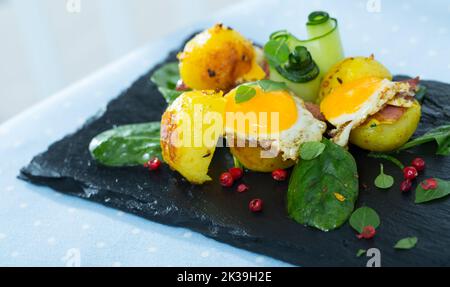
(222, 214)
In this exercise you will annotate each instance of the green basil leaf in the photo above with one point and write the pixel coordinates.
(322, 192)
(360, 252)
(362, 217)
(440, 134)
(442, 190)
(127, 145)
(276, 52)
(244, 93)
(383, 180)
(270, 86)
(167, 76)
(406, 243)
(311, 150)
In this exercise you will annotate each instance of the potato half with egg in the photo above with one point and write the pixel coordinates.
(218, 59)
(374, 114)
(190, 129)
(266, 131)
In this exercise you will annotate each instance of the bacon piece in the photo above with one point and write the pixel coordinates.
(389, 114)
(315, 111)
(181, 86)
(413, 83)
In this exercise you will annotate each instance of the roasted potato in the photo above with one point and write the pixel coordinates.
(217, 58)
(250, 157)
(351, 69)
(384, 135)
(190, 129)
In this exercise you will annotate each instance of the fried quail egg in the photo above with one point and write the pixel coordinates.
(352, 103)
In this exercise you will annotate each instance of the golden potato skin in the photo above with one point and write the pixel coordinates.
(351, 69)
(191, 161)
(385, 137)
(250, 157)
(215, 59)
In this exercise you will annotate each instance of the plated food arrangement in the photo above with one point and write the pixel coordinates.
(290, 103)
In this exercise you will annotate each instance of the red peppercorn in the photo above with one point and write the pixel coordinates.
(368, 232)
(429, 184)
(242, 188)
(406, 185)
(410, 172)
(279, 175)
(256, 205)
(226, 179)
(236, 172)
(153, 164)
(418, 163)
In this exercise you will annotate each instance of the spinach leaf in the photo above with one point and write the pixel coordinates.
(406, 243)
(311, 150)
(127, 145)
(425, 195)
(314, 184)
(384, 181)
(362, 217)
(166, 79)
(244, 93)
(440, 134)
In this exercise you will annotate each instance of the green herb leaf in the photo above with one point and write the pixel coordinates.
(406, 243)
(127, 145)
(166, 79)
(276, 52)
(440, 134)
(244, 93)
(311, 150)
(269, 85)
(421, 93)
(360, 252)
(364, 216)
(442, 190)
(384, 181)
(315, 183)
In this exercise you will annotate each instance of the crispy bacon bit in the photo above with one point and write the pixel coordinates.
(413, 83)
(181, 86)
(315, 111)
(389, 114)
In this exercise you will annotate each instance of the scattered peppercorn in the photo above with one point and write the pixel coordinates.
(410, 172)
(256, 205)
(242, 188)
(226, 179)
(405, 185)
(279, 175)
(236, 172)
(418, 163)
(368, 232)
(429, 184)
(153, 164)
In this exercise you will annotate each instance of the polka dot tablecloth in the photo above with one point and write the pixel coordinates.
(40, 227)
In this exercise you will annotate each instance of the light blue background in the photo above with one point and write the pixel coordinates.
(39, 227)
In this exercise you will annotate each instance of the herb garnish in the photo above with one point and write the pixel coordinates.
(387, 157)
(406, 243)
(421, 93)
(311, 150)
(128, 145)
(166, 79)
(244, 93)
(360, 252)
(270, 86)
(424, 193)
(383, 180)
(440, 134)
(362, 217)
